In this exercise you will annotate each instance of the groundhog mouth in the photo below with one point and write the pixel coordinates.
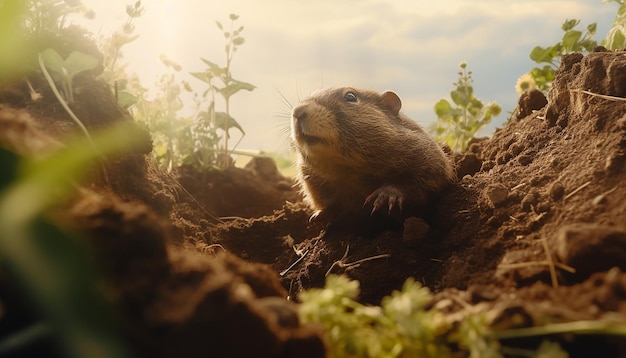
(311, 140)
(304, 138)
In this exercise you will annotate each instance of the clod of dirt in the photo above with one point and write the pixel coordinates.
(591, 248)
(468, 164)
(530, 200)
(530, 101)
(265, 168)
(556, 191)
(497, 194)
(255, 191)
(22, 134)
(415, 231)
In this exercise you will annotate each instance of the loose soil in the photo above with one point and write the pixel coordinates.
(196, 264)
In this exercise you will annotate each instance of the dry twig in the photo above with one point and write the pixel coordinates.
(340, 263)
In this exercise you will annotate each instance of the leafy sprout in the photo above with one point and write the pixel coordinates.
(212, 120)
(66, 69)
(575, 40)
(458, 122)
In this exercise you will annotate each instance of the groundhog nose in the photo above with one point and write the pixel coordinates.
(299, 111)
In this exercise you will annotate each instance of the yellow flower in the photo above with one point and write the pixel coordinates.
(525, 83)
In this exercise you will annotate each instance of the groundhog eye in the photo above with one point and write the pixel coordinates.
(350, 97)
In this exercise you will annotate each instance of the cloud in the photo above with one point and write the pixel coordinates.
(413, 47)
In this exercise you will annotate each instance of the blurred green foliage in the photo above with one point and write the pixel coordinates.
(11, 37)
(64, 70)
(404, 325)
(49, 265)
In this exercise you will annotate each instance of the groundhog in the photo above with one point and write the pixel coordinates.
(358, 156)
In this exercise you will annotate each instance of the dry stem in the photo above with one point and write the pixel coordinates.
(340, 263)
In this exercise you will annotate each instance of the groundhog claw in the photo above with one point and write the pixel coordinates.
(318, 217)
(388, 197)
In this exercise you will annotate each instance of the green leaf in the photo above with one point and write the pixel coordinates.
(442, 108)
(233, 17)
(591, 28)
(570, 40)
(569, 24)
(219, 25)
(78, 62)
(540, 54)
(214, 68)
(238, 41)
(616, 38)
(202, 76)
(462, 95)
(226, 122)
(75, 63)
(234, 87)
(125, 99)
(54, 61)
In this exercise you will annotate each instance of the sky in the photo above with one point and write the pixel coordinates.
(293, 47)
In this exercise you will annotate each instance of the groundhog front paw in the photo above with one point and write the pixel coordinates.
(388, 198)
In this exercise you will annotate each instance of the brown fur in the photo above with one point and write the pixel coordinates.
(356, 150)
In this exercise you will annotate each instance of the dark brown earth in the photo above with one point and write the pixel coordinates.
(196, 263)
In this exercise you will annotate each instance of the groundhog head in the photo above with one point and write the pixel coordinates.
(333, 121)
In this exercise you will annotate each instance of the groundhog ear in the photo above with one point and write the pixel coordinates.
(392, 101)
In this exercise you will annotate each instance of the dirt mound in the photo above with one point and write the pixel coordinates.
(174, 294)
(538, 205)
(200, 264)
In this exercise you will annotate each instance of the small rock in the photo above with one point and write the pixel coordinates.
(591, 248)
(614, 161)
(556, 191)
(487, 165)
(525, 159)
(598, 200)
(530, 101)
(468, 164)
(264, 167)
(530, 200)
(415, 231)
(621, 123)
(517, 148)
(497, 194)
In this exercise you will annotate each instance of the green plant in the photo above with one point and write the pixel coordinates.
(111, 48)
(400, 327)
(66, 69)
(457, 124)
(403, 326)
(170, 133)
(573, 40)
(50, 266)
(11, 38)
(211, 120)
(616, 37)
(52, 15)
